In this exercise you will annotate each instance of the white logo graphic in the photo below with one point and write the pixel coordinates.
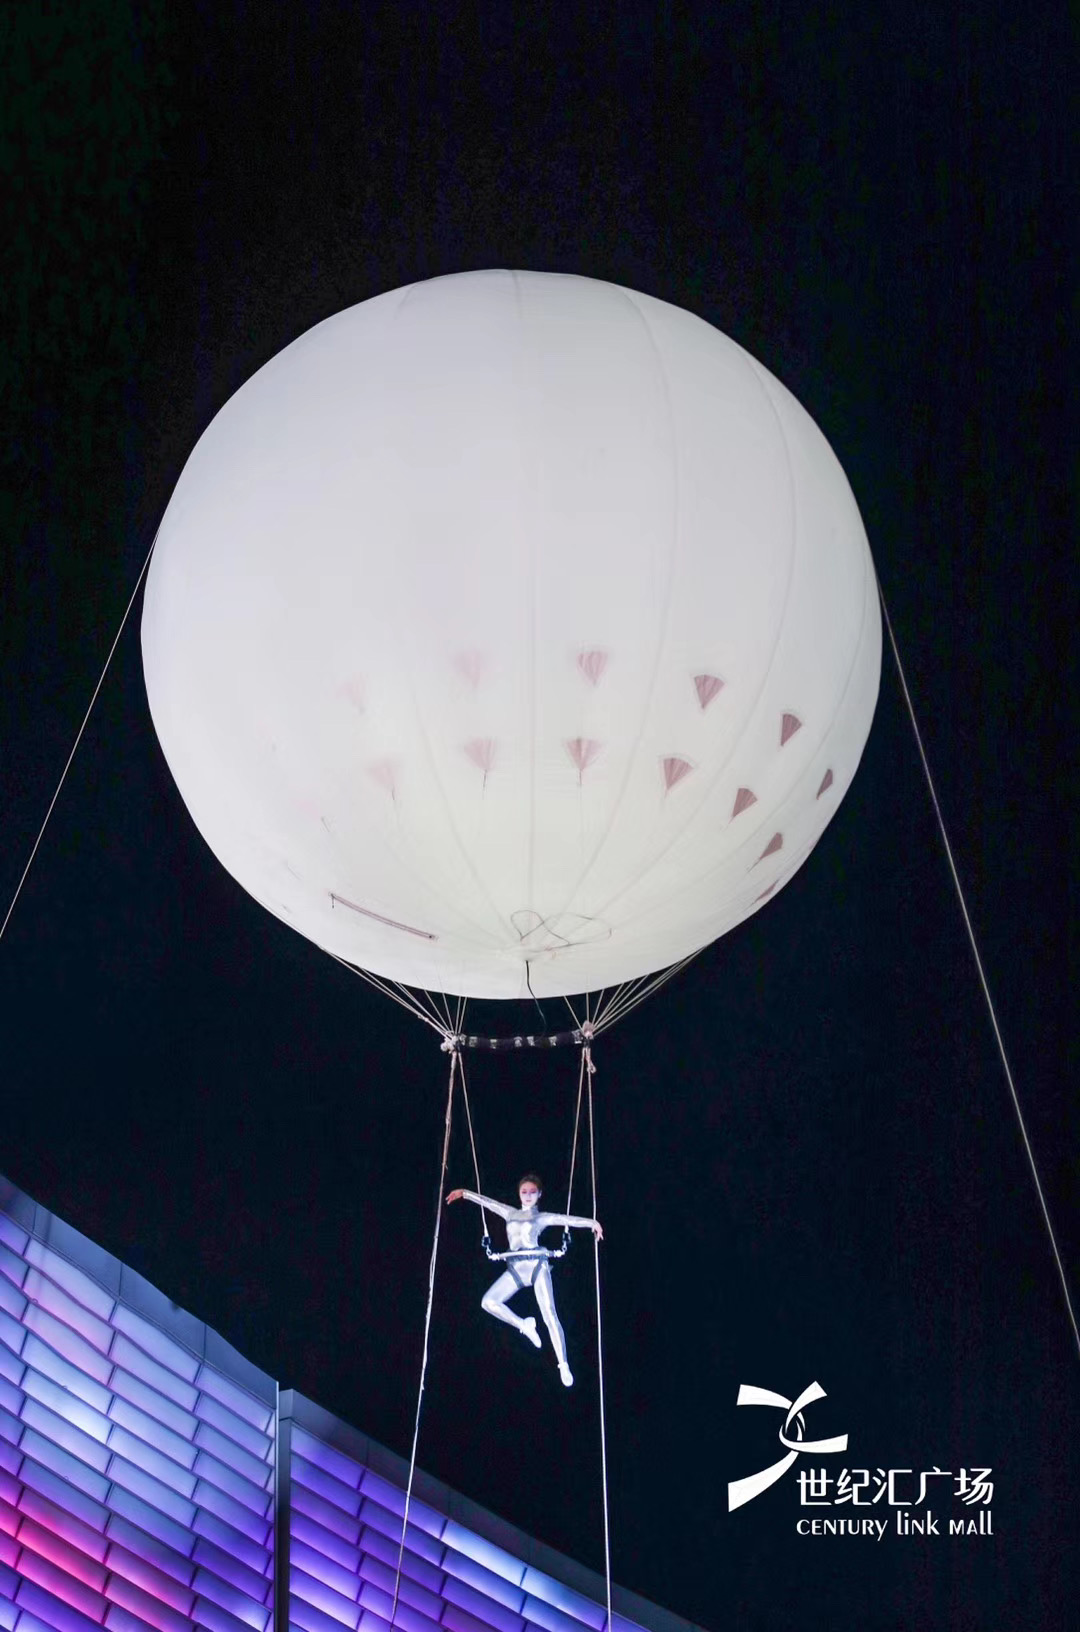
(744, 1490)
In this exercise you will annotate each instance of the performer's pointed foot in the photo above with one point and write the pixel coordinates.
(528, 1328)
(566, 1376)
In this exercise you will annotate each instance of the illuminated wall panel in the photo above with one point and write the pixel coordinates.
(153, 1480)
(136, 1450)
(464, 1570)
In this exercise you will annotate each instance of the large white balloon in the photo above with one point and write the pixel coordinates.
(512, 619)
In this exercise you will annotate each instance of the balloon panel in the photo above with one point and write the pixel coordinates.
(512, 620)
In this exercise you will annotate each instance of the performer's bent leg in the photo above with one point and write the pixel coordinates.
(494, 1302)
(545, 1297)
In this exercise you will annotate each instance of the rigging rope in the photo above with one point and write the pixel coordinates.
(404, 996)
(78, 736)
(472, 1145)
(457, 1070)
(577, 1124)
(540, 1252)
(980, 970)
(588, 1072)
(454, 1066)
(602, 1010)
(629, 996)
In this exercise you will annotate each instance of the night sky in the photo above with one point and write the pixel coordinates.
(809, 1167)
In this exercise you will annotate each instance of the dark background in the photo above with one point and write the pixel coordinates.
(809, 1166)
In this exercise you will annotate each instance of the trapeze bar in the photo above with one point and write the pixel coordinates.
(517, 1254)
(517, 1257)
(499, 1045)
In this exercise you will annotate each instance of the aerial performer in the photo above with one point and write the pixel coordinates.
(528, 1264)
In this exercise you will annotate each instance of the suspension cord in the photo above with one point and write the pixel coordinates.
(588, 1072)
(472, 1146)
(577, 1124)
(404, 996)
(455, 1063)
(981, 972)
(476, 1163)
(78, 736)
(627, 997)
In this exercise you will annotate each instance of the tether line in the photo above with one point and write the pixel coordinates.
(455, 1061)
(589, 1071)
(472, 1146)
(78, 737)
(981, 971)
(585, 1060)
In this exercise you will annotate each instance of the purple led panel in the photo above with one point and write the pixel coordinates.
(136, 1476)
(347, 1502)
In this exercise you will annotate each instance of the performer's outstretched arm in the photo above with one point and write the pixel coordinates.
(498, 1207)
(569, 1220)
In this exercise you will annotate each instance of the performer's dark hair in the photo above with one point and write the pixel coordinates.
(531, 1178)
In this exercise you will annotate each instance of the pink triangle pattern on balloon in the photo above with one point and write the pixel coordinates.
(583, 751)
(384, 772)
(826, 783)
(789, 724)
(743, 800)
(674, 768)
(481, 751)
(707, 687)
(592, 665)
(775, 843)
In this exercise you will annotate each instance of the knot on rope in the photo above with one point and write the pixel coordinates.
(450, 1044)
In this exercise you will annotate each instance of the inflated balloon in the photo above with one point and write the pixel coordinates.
(512, 621)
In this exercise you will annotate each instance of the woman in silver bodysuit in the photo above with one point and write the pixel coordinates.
(524, 1225)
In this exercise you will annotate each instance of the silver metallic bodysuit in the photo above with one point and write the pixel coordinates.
(524, 1226)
